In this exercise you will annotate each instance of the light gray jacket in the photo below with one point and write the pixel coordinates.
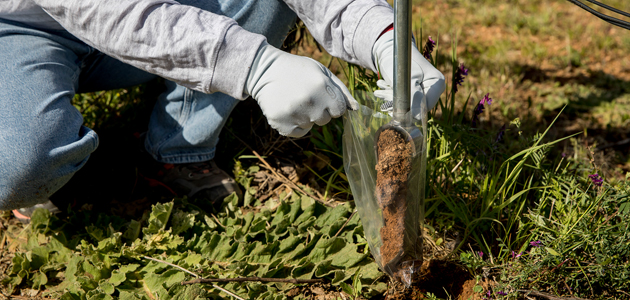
(195, 48)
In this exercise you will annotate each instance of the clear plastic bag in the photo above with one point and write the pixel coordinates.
(392, 211)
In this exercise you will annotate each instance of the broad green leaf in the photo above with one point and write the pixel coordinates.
(210, 222)
(40, 220)
(281, 211)
(243, 250)
(99, 296)
(188, 292)
(308, 223)
(356, 282)
(288, 244)
(264, 253)
(332, 215)
(340, 276)
(39, 279)
(106, 287)
(193, 259)
(93, 271)
(370, 271)
(59, 252)
(281, 228)
(325, 248)
(133, 230)
(307, 213)
(304, 272)
(117, 277)
(73, 268)
(296, 207)
(182, 221)
(348, 256)
(111, 243)
(324, 268)
(346, 288)
(95, 232)
(124, 295)
(160, 213)
(247, 218)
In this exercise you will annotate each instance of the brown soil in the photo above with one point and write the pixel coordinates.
(392, 171)
(444, 279)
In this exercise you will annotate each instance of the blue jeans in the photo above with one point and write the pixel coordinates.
(42, 140)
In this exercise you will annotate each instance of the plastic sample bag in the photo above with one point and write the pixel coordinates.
(389, 189)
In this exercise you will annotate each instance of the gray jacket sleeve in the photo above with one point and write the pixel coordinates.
(346, 28)
(209, 52)
(195, 48)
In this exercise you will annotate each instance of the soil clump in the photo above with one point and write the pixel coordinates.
(442, 278)
(392, 173)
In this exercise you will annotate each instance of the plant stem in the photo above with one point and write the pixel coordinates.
(247, 279)
(170, 264)
(287, 181)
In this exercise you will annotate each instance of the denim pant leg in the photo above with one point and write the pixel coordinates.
(185, 124)
(42, 139)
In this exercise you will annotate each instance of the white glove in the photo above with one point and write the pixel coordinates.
(425, 78)
(296, 92)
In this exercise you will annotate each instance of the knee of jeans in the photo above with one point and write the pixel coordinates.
(271, 18)
(32, 171)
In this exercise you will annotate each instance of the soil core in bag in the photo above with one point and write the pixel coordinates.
(392, 173)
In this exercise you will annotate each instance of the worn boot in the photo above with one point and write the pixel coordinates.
(203, 180)
(24, 214)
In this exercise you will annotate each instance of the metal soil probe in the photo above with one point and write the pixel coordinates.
(397, 179)
(402, 123)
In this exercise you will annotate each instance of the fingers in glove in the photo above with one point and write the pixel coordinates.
(323, 119)
(432, 79)
(382, 84)
(291, 130)
(338, 86)
(298, 132)
(387, 95)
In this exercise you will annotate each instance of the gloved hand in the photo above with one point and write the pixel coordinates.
(425, 78)
(296, 92)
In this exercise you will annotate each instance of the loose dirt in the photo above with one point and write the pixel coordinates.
(392, 172)
(444, 279)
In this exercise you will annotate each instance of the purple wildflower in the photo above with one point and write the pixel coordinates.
(516, 255)
(564, 154)
(596, 179)
(460, 73)
(501, 293)
(535, 243)
(479, 109)
(486, 100)
(480, 254)
(428, 48)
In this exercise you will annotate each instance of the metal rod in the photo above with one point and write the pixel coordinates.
(402, 59)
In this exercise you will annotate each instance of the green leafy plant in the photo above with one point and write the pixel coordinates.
(297, 239)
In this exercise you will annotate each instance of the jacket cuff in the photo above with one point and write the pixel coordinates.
(372, 24)
(234, 59)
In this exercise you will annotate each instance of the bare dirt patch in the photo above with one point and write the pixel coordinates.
(441, 278)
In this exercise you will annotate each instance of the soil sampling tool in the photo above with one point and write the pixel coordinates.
(397, 144)
(385, 162)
